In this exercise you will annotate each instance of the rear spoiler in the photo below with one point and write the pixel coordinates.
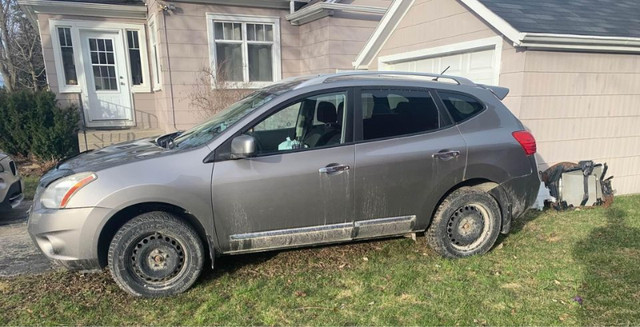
(498, 91)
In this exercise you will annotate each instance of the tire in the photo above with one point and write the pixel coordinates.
(466, 223)
(155, 254)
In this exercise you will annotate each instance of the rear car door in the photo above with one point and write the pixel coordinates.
(298, 189)
(408, 153)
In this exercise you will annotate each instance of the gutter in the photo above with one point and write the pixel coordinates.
(323, 9)
(273, 4)
(585, 43)
(83, 9)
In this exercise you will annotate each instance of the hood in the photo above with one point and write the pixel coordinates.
(111, 156)
(3, 155)
(108, 157)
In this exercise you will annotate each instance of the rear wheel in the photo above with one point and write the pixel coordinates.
(467, 222)
(155, 254)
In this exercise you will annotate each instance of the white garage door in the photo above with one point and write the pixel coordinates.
(477, 65)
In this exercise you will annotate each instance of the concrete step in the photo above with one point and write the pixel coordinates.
(96, 139)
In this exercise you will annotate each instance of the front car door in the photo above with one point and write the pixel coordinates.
(298, 189)
(407, 151)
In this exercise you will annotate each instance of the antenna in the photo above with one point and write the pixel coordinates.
(444, 71)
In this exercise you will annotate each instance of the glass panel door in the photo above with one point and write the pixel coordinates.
(103, 64)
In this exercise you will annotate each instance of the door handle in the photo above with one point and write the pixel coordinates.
(446, 154)
(333, 168)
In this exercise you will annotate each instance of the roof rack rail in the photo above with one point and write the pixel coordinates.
(324, 77)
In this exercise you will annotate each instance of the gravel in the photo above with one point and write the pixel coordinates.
(18, 254)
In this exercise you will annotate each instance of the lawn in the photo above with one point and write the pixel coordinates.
(570, 268)
(30, 185)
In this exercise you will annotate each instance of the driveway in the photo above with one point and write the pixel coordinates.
(18, 255)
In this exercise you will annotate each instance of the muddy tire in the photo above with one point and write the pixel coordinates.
(155, 254)
(466, 223)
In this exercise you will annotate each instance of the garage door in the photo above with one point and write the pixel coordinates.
(477, 65)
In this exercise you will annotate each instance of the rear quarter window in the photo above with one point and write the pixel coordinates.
(461, 107)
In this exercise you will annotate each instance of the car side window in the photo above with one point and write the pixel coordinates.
(387, 113)
(460, 106)
(283, 119)
(312, 122)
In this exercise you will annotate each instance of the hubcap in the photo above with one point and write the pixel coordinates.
(466, 226)
(157, 258)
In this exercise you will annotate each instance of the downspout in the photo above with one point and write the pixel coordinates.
(166, 38)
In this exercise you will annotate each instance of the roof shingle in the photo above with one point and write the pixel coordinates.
(620, 18)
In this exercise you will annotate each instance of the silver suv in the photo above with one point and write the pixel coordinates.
(11, 186)
(307, 161)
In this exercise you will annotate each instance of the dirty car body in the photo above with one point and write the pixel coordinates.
(11, 185)
(308, 161)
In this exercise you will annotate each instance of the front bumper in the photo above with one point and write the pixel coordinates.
(68, 236)
(11, 195)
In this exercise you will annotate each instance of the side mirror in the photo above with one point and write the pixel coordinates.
(243, 146)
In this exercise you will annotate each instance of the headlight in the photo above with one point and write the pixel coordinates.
(58, 193)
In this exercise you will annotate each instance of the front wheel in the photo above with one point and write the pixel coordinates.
(155, 254)
(467, 222)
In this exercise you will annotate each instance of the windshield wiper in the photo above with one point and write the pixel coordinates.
(166, 139)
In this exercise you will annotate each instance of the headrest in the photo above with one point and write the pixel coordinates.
(327, 112)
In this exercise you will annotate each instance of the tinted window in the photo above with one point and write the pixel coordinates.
(66, 47)
(461, 106)
(134, 57)
(387, 113)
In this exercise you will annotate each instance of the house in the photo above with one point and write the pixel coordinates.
(573, 68)
(133, 66)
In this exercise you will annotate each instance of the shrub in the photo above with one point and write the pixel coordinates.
(31, 123)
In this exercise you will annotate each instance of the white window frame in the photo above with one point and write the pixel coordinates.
(75, 26)
(244, 20)
(156, 65)
(475, 45)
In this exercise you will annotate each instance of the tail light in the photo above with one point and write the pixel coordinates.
(526, 140)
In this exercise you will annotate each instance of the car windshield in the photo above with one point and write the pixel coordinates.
(205, 132)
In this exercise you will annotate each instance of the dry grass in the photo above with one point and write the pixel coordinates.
(569, 268)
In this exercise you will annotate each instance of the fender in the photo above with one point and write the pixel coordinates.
(198, 208)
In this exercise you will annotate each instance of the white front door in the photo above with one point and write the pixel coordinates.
(107, 99)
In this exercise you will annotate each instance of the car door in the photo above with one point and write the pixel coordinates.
(291, 193)
(407, 151)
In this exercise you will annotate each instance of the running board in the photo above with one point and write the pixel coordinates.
(323, 234)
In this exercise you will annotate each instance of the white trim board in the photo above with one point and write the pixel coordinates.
(277, 57)
(154, 55)
(322, 9)
(276, 4)
(387, 25)
(76, 26)
(84, 9)
(494, 42)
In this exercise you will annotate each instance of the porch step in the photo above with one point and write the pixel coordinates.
(97, 139)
